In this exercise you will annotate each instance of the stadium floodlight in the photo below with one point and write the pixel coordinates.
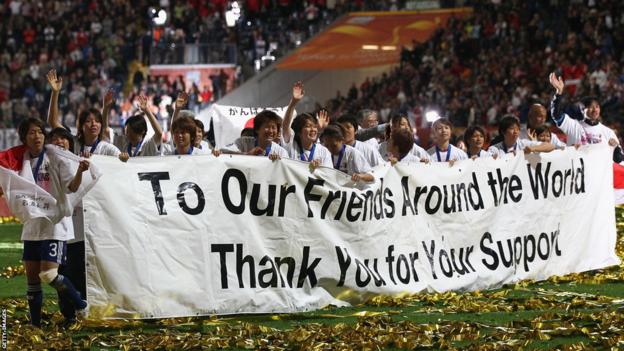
(233, 14)
(432, 116)
(388, 48)
(160, 17)
(370, 47)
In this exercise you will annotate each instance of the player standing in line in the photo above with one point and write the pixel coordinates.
(184, 132)
(346, 158)
(536, 118)
(509, 128)
(200, 143)
(400, 145)
(45, 243)
(402, 122)
(587, 131)
(300, 138)
(349, 128)
(89, 139)
(266, 126)
(474, 137)
(132, 143)
(443, 151)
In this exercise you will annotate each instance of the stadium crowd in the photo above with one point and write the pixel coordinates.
(92, 44)
(477, 70)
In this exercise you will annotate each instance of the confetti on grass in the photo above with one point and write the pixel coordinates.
(381, 322)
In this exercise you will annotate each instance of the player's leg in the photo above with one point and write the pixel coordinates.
(34, 294)
(54, 254)
(74, 270)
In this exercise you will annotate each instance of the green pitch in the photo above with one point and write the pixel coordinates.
(575, 312)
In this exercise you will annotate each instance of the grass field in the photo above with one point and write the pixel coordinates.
(579, 311)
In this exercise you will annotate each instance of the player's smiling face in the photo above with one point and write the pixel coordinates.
(309, 132)
(593, 111)
(60, 141)
(544, 137)
(182, 138)
(267, 133)
(477, 140)
(199, 136)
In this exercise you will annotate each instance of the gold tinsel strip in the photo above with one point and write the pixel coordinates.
(12, 271)
(595, 318)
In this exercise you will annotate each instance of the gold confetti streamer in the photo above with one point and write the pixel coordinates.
(12, 271)
(535, 312)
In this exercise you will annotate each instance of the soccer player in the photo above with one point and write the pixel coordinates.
(262, 142)
(73, 268)
(443, 151)
(45, 243)
(543, 134)
(200, 143)
(587, 131)
(509, 128)
(400, 146)
(133, 143)
(474, 137)
(401, 122)
(300, 138)
(346, 158)
(89, 139)
(184, 132)
(349, 128)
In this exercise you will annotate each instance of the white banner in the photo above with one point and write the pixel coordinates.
(199, 235)
(229, 121)
(26, 199)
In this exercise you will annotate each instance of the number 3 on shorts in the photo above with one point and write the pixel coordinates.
(53, 249)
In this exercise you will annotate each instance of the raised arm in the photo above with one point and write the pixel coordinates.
(152, 119)
(107, 105)
(556, 106)
(297, 95)
(55, 84)
(180, 102)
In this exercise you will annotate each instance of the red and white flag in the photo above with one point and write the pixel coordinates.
(26, 199)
